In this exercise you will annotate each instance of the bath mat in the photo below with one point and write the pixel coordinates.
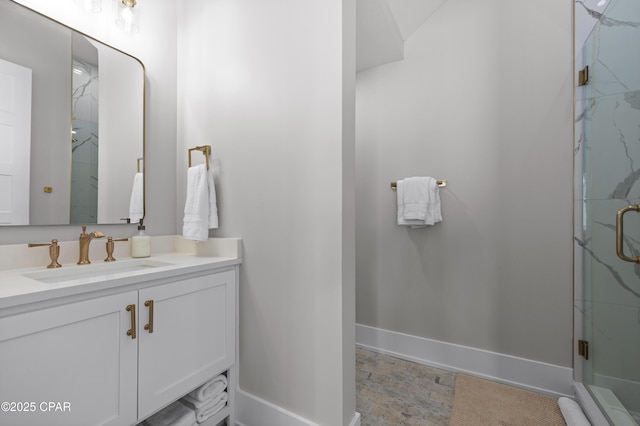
(481, 402)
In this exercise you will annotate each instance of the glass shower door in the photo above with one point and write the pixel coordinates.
(608, 179)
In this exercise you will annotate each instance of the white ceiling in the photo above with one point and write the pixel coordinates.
(384, 25)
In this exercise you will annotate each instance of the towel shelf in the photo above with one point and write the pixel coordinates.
(206, 150)
(441, 183)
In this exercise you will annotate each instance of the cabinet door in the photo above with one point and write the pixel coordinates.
(193, 337)
(70, 365)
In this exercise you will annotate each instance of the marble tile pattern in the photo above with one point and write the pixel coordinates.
(391, 391)
(84, 146)
(607, 149)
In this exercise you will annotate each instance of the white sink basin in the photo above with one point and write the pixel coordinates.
(91, 271)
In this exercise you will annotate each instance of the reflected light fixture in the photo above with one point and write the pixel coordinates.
(127, 16)
(91, 6)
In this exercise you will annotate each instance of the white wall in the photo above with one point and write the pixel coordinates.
(47, 53)
(348, 211)
(263, 84)
(155, 46)
(484, 100)
(119, 132)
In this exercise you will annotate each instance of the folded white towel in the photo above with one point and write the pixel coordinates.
(200, 210)
(418, 202)
(136, 202)
(572, 412)
(416, 198)
(176, 414)
(211, 389)
(206, 409)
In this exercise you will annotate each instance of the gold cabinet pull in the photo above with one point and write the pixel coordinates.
(620, 233)
(132, 331)
(149, 327)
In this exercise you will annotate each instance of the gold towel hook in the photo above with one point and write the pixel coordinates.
(206, 150)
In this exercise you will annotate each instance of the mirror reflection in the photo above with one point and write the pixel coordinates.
(71, 125)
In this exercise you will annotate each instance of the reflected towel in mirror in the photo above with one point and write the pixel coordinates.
(136, 203)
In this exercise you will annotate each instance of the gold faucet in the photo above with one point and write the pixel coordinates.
(85, 240)
(54, 252)
(110, 247)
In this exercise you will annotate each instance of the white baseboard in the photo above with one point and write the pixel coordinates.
(254, 411)
(524, 373)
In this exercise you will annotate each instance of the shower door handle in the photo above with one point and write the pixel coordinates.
(620, 233)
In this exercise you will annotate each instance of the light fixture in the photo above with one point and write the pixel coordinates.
(92, 6)
(127, 16)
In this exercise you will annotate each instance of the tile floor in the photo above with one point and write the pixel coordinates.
(391, 391)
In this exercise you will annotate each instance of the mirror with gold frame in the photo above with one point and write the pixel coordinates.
(71, 125)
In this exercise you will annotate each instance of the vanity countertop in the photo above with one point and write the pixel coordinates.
(17, 288)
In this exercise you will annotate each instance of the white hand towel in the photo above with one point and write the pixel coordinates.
(206, 409)
(418, 202)
(136, 202)
(416, 198)
(200, 210)
(176, 414)
(213, 204)
(434, 208)
(210, 389)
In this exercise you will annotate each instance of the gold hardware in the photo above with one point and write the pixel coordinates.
(85, 240)
(583, 76)
(110, 247)
(583, 349)
(139, 160)
(206, 150)
(48, 189)
(129, 3)
(54, 252)
(620, 233)
(132, 331)
(149, 327)
(440, 182)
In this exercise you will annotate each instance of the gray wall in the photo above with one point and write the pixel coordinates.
(484, 100)
(155, 46)
(43, 46)
(266, 85)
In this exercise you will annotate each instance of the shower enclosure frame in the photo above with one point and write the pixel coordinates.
(607, 124)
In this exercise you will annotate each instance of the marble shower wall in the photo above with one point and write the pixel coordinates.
(607, 179)
(84, 147)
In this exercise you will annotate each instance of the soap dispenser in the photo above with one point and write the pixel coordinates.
(140, 243)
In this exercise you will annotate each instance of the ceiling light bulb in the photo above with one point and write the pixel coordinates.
(127, 16)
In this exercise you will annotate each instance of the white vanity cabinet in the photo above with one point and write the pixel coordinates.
(77, 355)
(82, 356)
(193, 337)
